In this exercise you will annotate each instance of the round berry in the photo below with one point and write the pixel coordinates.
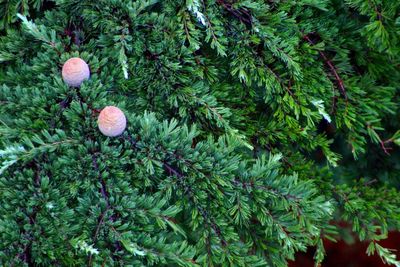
(111, 121)
(75, 71)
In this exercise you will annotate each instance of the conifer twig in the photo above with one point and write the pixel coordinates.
(381, 142)
(375, 7)
(99, 224)
(278, 78)
(103, 188)
(384, 148)
(25, 255)
(105, 195)
(266, 188)
(241, 14)
(201, 210)
(333, 70)
(209, 21)
(64, 104)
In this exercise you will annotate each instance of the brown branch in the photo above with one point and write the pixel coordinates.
(201, 210)
(384, 148)
(278, 78)
(242, 14)
(375, 7)
(371, 182)
(381, 142)
(103, 188)
(209, 22)
(105, 195)
(25, 255)
(186, 29)
(332, 68)
(82, 101)
(99, 224)
(274, 191)
(64, 104)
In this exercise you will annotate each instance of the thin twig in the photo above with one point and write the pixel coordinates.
(201, 210)
(332, 68)
(241, 14)
(381, 142)
(245, 185)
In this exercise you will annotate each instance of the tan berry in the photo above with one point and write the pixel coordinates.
(75, 71)
(111, 121)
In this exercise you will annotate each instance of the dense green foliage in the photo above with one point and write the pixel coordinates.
(253, 127)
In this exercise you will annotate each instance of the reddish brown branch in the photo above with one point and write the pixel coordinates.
(332, 68)
(64, 104)
(201, 210)
(95, 111)
(103, 189)
(381, 142)
(375, 7)
(245, 185)
(241, 14)
(187, 190)
(384, 148)
(25, 255)
(105, 195)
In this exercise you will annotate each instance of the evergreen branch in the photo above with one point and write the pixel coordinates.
(26, 253)
(279, 225)
(212, 110)
(99, 224)
(269, 189)
(194, 6)
(207, 22)
(202, 211)
(287, 88)
(105, 195)
(103, 189)
(29, 153)
(278, 78)
(221, 121)
(274, 93)
(82, 101)
(123, 60)
(332, 67)
(161, 216)
(241, 14)
(351, 210)
(64, 104)
(12, 154)
(388, 256)
(40, 33)
(236, 182)
(141, 251)
(382, 143)
(375, 7)
(193, 41)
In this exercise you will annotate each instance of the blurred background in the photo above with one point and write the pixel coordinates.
(343, 254)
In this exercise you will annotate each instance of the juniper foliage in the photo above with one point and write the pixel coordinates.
(253, 126)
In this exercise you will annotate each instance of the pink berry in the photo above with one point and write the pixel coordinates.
(75, 71)
(111, 121)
